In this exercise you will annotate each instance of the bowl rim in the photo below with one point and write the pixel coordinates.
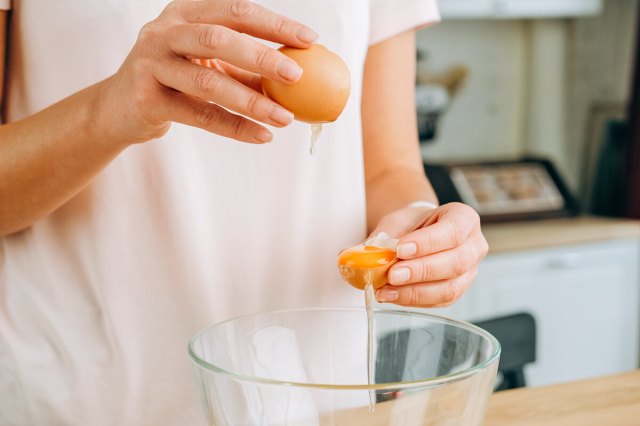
(430, 382)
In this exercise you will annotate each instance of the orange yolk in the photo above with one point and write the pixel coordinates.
(366, 257)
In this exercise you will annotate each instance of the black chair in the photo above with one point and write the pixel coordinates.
(517, 336)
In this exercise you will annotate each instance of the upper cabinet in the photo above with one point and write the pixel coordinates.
(517, 9)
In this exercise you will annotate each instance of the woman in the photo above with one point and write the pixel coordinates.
(123, 234)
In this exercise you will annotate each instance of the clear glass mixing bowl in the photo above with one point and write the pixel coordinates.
(309, 367)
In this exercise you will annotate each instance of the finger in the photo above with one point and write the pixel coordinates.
(184, 109)
(403, 221)
(428, 295)
(250, 18)
(212, 85)
(454, 225)
(209, 63)
(440, 266)
(217, 41)
(249, 79)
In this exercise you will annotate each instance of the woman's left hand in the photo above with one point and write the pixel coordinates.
(439, 252)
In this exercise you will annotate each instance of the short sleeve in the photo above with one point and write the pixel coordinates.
(392, 17)
(5, 4)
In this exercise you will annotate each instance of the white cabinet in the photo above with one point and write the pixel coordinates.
(465, 9)
(585, 299)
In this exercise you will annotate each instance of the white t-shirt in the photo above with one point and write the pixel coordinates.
(99, 299)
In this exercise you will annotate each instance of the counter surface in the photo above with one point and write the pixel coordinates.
(610, 400)
(516, 236)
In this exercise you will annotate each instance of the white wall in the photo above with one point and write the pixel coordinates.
(486, 119)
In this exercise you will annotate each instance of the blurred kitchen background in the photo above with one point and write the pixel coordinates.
(523, 110)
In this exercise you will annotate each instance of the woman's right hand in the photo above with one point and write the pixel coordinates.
(163, 79)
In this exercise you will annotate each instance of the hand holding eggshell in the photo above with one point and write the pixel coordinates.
(438, 254)
(196, 64)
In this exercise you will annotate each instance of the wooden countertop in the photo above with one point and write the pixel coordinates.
(608, 401)
(517, 236)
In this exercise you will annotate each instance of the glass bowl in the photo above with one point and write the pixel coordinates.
(310, 367)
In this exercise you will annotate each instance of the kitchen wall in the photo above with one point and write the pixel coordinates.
(532, 84)
(486, 118)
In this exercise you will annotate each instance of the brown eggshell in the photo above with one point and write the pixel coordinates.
(357, 277)
(323, 90)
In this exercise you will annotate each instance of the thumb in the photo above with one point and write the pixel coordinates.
(399, 223)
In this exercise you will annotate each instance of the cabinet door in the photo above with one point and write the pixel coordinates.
(585, 300)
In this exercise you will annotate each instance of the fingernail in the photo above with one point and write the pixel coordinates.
(289, 70)
(306, 35)
(407, 250)
(281, 115)
(263, 136)
(399, 275)
(385, 295)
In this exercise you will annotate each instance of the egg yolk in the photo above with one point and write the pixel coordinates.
(366, 257)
